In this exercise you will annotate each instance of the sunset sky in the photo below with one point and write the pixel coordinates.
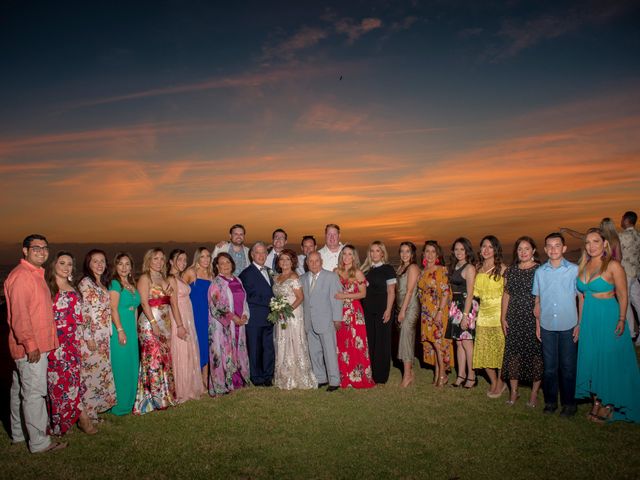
(167, 120)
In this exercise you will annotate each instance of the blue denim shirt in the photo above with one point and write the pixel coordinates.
(556, 288)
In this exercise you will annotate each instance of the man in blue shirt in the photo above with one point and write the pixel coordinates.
(554, 287)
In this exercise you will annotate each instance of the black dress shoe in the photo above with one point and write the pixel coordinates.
(568, 411)
(323, 384)
(549, 409)
(268, 383)
(332, 388)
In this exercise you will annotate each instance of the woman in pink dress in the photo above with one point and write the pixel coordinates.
(64, 383)
(184, 351)
(353, 351)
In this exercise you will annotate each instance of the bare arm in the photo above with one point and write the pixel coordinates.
(143, 290)
(362, 289)
(189, 275)
(469, 274)
(536, 313)
(413, 272)
(391, 298)
(620, 282)
(114, 297)
(299, 298)
(573, 233)
(175, 310)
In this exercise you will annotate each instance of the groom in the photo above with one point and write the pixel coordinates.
(322, 316)
(257, 283)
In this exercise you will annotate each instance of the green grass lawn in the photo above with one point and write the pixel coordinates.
(386, 432)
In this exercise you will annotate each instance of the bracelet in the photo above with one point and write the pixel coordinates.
(120, 330)
(152, 321)
(465, 314)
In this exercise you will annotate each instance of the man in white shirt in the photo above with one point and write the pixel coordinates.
(278, 241)
(308, 245)
(630, 245)
(235, 247)
(332, 247)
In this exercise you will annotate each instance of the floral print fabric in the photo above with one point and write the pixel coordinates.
(64, 382)
(353, 352)
(100, 393)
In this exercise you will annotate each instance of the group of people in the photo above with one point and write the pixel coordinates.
(80, 348)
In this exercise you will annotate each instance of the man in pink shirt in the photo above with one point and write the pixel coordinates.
(32, 335)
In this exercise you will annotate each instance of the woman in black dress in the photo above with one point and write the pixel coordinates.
(523, 351)
(378, 305)
(463, 310)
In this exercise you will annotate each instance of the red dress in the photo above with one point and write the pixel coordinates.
(64, 383)
(353, 351)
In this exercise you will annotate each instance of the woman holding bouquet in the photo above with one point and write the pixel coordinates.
(353, 352)
(228, 315)
(293, 365)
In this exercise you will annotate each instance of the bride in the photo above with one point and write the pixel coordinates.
(293, 365)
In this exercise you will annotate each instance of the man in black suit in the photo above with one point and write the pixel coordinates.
(257, 282)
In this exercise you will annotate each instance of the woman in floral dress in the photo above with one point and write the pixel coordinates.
(353, 350)
(156, 388)
(433, 292)
(228, 315)
(64, 382)
(100, 394)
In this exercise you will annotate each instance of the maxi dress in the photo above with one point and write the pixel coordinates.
(607, 363)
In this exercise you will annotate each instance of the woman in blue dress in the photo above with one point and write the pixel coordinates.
(607, 365)
(199, 276)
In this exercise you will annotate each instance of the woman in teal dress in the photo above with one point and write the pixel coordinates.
(125, 300)
(607, 365)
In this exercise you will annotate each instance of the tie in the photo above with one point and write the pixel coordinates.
(275, 262)
(265, 274)
(313, 282)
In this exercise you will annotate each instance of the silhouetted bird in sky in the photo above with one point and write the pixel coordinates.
(340, 77)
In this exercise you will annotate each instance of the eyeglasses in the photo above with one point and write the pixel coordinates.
(39, 249)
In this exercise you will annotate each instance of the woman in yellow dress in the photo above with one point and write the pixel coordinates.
(433, 292)
(489, 286)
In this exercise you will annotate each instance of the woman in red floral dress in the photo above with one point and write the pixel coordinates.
(353, 351)
(64, 382)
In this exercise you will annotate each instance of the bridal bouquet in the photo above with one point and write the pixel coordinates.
(280, 312)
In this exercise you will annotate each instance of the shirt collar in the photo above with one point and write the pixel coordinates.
(377, 264)
(259, 267)
(564, 263)
(30, 266)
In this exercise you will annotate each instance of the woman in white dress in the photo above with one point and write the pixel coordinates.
(293, 365)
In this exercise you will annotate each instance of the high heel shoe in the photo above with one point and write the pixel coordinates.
(456, 384)
(474, 383)
(442, 381)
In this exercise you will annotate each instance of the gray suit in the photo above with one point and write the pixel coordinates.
(321, 309)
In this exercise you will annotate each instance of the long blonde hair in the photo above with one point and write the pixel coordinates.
(585, 257)
(146, 261)
(608, 229)
(351, 273)
(366, 266)
(196, 259)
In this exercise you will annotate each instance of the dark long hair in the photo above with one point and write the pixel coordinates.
(115, 276)
(469, 254)
(497, 256)
(414, 256)
(50, 274)
(173, 256)
(86, 267)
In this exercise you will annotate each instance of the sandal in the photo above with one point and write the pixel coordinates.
(54, 447)
(594, 410)
(603, 418)
(510, 402)
(442, 381)
(456, 384)
(474, 383)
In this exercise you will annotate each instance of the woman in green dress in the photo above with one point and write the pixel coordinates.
(125, 300)
(607, 370)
